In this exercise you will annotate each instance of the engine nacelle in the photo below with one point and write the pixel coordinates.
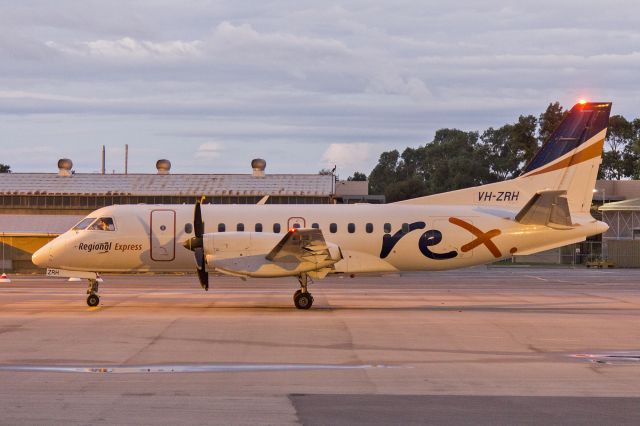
(245, 253)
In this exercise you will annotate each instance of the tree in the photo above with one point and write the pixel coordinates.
(405, 189)
(631, 155)
(550, 120)
(384, 173)
(454, 160)
(511, 147)
(619, 140)
(5, 168)
(357, 176)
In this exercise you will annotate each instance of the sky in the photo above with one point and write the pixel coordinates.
(210, 85)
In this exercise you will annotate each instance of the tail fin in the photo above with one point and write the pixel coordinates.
(570, 158)
(584, 122)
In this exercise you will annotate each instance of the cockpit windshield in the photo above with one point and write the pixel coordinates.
(83, 223)
(103, 224)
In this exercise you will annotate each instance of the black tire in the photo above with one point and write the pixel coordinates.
(93, 300)
(296, 294)
(303, 300)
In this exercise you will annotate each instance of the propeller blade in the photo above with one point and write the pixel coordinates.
(199, 254)
(203, 276)
(196, 244)
(198, 225)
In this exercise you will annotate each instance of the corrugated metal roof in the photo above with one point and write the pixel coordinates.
(626, 205)
(170, 184)
(30, 224)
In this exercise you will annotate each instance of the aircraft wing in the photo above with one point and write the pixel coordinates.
(301, 245)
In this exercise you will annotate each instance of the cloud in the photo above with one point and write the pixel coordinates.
(339, 84)
(129, 48)
(350, 156)
(209, 151)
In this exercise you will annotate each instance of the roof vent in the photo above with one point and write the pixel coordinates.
(258, 165)
(163, 166)
(64, 167)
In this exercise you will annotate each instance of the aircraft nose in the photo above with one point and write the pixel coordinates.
(41, 256)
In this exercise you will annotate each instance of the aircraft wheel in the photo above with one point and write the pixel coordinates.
(296, 294)
(93, 300)
(303, 300)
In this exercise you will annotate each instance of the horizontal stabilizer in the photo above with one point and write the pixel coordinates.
(548, 208)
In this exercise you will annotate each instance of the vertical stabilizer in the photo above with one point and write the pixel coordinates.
(570, 158)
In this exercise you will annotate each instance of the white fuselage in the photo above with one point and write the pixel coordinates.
(370, 237)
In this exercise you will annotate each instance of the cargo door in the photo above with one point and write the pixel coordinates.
(163, 235)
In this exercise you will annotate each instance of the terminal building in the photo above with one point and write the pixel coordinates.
(36, 207)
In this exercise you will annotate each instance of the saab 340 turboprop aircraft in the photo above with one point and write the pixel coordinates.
(545, 207)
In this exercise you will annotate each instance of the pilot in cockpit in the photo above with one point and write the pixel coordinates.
(103, 224)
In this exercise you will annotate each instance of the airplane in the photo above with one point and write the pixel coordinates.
(547, 206)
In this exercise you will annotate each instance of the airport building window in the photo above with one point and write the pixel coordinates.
(221, 227)
(333, 228)
(387, 228)
(369, 228)
(351, 228)
(405, 228)
(315, 226)
(258, 227)
(240, 227)
(188, 228)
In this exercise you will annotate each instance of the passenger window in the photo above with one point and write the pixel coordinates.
(369, 228)
(333, 228)
(351, 228)
(83, 224)
(103, 224)
(240, 227)
(387, 228)
(188, 228)
(276, 228)
(315, 226)
(405, 228)
(296, 225)
(258, 227)
(221, 227)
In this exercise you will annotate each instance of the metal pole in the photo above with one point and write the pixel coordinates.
(126, 158)
(103, 159)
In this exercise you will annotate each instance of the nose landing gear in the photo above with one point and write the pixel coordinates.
(302, 298)
(93, 299)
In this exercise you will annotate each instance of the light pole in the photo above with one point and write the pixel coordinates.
(602, 245)
(603, 194)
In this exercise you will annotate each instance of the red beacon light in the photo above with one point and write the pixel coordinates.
(582, 101)
(292, 229)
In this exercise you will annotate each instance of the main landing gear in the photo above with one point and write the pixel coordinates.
(93, 299)
(302, 298)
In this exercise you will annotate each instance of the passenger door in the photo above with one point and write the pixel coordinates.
(163, 235)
